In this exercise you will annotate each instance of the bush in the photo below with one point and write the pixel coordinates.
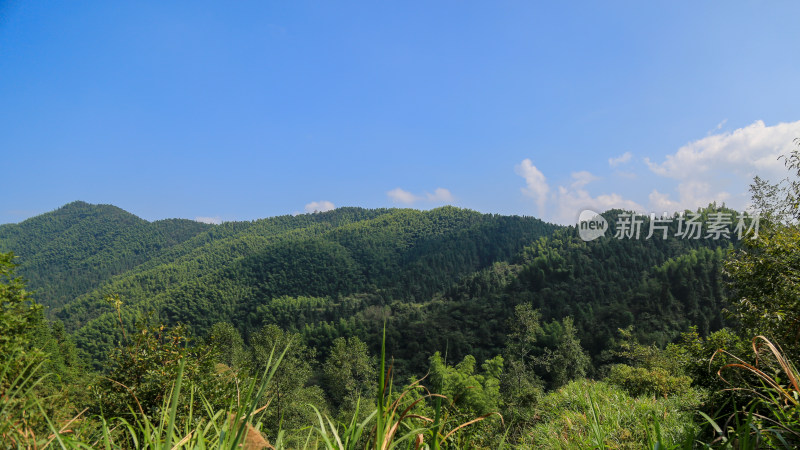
(637, 381)
(590, 414)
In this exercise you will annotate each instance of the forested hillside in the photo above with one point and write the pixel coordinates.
(342, 272)
(660, 287)
(232, 272)
(78, 247)
(506, 315)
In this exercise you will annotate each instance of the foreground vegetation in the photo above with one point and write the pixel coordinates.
(173, 402)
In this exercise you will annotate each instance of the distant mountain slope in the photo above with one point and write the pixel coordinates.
(229, 271)
(446, 279)
(659, 287)
(76, 248)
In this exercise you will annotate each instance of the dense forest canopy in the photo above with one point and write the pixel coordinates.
(340, 273)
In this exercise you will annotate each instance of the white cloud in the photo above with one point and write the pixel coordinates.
(535, 181)
(402, 196)
(661, 203)
(582, 178)
(719, 167)
(568, 201)
(622, 159)
(699, 194)
(743, 153)
(692, 194)
(439, 196)
(719, 126)
(212, 220)
(572, 201)
(320, 206)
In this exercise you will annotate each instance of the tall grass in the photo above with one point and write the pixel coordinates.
(19, 378)
(396, 424)
(392, 423)
(588, 414)
(772, 417)
(233, 428)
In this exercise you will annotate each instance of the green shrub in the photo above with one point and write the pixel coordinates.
(637, 381)
(587, 414)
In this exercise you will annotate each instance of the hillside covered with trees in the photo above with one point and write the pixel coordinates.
(427, 329)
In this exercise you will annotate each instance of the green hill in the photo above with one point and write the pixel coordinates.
(76, 248)
(447, 279)
(200, 274)
(660, 287)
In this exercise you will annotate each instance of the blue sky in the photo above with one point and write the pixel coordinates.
(243, 110)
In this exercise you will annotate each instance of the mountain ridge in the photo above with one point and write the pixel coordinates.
(342, 272)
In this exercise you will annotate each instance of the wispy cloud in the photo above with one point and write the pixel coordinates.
(691, 194)
(212, 220)
(622, 159)
(709, 169)
(568, 201)
(535, 182)
(717, 128)
(320, 206)
(439, 196)
(582, 178)
(661, 203)
(716, 168)
(398, 195)
(746, 151)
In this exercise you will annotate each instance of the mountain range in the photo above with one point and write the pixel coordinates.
(446, 278)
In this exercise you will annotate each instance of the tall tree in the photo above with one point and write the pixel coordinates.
(291, 390)
(18, 313)
(568, 361)
(766, 271)
(349, 373)
(228, 343)
(520, 385)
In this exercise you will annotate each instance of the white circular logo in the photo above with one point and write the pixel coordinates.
(591, 225)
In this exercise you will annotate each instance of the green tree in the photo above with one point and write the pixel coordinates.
(226, 340)
(765, 272)
(292, 391)
(18, 312)
(780, 202)
(18, 361)
(568, 361)
(472, 393)
(143, 368)
(349, 374)
(35, 361)
(519, 384)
